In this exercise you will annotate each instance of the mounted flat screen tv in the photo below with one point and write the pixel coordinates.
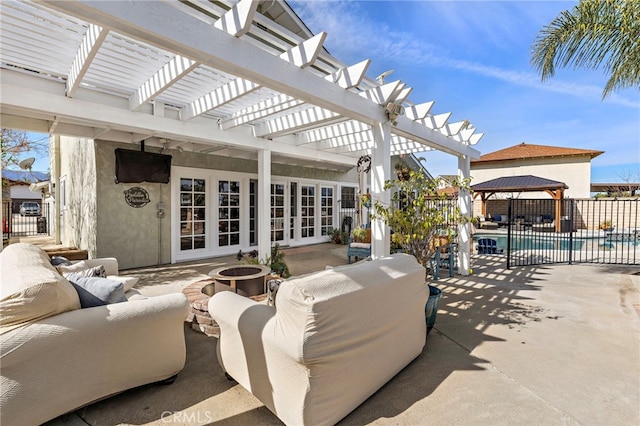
(141, 166)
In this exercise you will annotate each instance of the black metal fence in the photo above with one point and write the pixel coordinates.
(534, 231)
(22, 220)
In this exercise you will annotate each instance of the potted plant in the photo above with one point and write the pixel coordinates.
(606, 225)
(359, 235)
(366, 200)
(403, 171)
(419, 221)
(275, 261)
(338, 236)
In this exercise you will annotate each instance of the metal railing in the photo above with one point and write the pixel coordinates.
(541, 231)
(17, 223)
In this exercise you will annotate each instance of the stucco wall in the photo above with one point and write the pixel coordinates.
(574, 171)
(136, 236)
(78, 165)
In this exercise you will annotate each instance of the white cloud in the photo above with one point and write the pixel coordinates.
(352, 34)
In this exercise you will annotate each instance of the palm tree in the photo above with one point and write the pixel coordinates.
(594, 33)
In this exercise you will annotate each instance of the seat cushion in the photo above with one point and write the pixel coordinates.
(31, 289)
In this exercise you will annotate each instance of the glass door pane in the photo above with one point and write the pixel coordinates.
(308, 211)
(253, 212)
(277, 212)
(293, 196)
(193, 211)
(228, 213)
(326, 210)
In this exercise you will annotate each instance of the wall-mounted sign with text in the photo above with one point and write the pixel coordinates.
(136, 197)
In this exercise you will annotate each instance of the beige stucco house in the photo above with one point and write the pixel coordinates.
(569, 165)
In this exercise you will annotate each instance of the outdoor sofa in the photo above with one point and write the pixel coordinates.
(56, 357)
(332, 340)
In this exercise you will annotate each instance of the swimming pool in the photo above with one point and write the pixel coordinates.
(531, 242)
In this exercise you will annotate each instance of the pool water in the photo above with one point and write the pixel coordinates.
(532, 243)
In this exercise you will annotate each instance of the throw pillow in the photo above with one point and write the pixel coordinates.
(96, 271)
(60, 260)
(96, 291)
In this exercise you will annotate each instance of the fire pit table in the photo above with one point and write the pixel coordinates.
(249, 279)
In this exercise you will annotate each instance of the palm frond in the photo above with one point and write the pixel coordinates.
(594, 34)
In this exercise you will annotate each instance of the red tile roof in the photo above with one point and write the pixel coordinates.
(525, 151)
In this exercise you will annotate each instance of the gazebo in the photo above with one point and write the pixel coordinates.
(525, 183)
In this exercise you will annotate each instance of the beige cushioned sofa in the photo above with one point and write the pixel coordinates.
(56, 357)
(333, 339)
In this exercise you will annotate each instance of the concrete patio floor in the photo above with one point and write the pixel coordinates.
(543, 345)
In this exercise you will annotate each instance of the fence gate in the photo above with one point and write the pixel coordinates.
(27, 220)
(573, 231)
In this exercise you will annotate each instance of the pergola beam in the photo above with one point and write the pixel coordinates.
(158, 24)
(93, 39)
(171, 72)
(345, 77)
(97, 115)
(302, 56)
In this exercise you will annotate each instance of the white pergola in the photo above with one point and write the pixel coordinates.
(235, 78)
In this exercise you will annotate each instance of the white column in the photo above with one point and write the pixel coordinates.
(264, 204)
(464, 230)
(380, 171)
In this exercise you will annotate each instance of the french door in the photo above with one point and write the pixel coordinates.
(278, 213)
(228, 213)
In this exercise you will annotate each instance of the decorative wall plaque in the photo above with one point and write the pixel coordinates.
(136, 197)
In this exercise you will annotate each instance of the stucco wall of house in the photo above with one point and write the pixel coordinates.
(79, 215)
(575, 171)
(136, 236)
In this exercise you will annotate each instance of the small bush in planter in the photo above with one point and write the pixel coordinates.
(606, 225)
(359, 235)
(275, 261)
(416, 214)
(338, 236)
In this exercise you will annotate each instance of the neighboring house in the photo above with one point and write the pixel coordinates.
(569, 165)
(19, 183)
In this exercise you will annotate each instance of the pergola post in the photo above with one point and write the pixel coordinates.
(264, 203)
(464, 229)
(380, 170)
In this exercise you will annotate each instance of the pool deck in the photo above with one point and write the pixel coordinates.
(543, 345)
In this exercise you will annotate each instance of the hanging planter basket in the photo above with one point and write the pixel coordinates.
(403, 173)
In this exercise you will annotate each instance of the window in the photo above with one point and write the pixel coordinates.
(348, 197)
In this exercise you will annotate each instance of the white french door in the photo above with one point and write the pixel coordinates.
(307, 211)
(211, 213)
(229, 203)
(279, 225)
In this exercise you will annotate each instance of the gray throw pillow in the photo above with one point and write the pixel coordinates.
(96, 271)
(96, 291)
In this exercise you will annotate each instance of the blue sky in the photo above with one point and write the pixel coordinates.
(472, 59)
